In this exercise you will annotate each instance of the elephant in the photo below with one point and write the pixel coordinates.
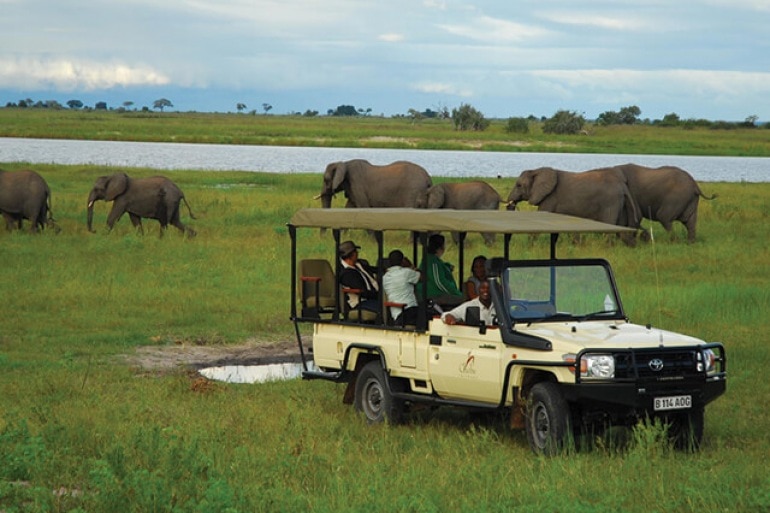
(25, 195)
(598, 194)
(665, 194)
(155, 197)
(399, 184)
(476, 195)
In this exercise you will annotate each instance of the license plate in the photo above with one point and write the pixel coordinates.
(674, 402)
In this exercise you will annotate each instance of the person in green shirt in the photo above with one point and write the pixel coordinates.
(442, 287)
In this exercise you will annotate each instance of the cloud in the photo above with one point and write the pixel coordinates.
(391, 38)
(595, 20)
(72, 74)
(441, 88)
(494, 30)
(704, 81)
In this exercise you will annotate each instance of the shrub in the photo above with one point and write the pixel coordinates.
(564, 122)
(467, 117)
(517, 126)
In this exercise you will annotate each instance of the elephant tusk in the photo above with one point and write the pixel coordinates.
(318, 197)
(90, 204)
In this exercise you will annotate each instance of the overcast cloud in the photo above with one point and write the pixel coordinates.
(697, 58)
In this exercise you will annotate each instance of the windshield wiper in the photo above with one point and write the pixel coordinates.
(596, 315)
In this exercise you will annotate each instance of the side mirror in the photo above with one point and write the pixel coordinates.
(473, 318)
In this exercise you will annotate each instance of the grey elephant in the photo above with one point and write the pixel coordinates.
(599, 194)
(475, 195)
(25, 195)
(155, 197)
(665, 194)
(399, 184)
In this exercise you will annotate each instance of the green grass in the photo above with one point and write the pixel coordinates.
(372, 132)
(80, 430)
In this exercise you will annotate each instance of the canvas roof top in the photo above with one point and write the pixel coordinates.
(471, 221)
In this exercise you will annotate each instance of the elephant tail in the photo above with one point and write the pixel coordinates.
(700, 193)
(633, 212)
(189, 210)
(49, 220)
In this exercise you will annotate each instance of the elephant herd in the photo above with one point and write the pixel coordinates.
(26, 195)
(621, 195)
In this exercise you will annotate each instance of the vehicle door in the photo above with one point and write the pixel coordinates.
(466, 364)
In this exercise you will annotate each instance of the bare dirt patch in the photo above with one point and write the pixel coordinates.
(188, 356)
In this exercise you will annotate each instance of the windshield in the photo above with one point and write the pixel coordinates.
(543, 291)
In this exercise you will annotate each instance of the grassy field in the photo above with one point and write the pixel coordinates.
(372, 132)
(81, 431)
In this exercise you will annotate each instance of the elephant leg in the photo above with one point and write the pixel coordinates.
(177, 222)
(10, 221)
(115, 214)
(136, 221)
(690, 225)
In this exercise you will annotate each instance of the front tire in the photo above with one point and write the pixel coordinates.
(686, 429)
(373, 396)
(548, 423)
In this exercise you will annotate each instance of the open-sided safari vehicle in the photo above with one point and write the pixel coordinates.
(562, 357)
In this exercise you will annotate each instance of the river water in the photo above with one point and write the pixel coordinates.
(283, 159)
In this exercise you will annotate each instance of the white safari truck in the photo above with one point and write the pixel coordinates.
(561, 359)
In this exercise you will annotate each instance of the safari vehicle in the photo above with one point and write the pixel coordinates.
(561, 360)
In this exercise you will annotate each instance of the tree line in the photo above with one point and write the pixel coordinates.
(464, 118)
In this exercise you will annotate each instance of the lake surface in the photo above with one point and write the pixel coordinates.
(282, 159)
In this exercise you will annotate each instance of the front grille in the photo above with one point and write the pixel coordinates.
(657, 365)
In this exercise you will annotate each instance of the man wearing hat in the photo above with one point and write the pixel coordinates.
(357, 274)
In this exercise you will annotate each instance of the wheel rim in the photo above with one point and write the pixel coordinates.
(541, 425)
(373, 397)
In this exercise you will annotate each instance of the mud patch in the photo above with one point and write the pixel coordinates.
(169, 358)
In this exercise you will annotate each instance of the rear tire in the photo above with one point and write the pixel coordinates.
(548, 419)
(373, 395)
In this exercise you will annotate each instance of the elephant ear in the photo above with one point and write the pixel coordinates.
(116, 186)
(436, 196)
(340, 173)
(543, 183)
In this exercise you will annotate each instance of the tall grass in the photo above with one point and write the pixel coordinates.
(82, 431)
(372, 132)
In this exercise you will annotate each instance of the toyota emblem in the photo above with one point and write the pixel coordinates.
(656, 365)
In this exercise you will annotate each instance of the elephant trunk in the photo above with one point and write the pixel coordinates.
(90, 217)
(326, 200)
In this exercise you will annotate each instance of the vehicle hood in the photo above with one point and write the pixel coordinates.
(609, 334)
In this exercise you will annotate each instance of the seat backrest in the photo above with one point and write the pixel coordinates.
(318, 268)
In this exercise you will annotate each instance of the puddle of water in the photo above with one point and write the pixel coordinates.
(255, 373)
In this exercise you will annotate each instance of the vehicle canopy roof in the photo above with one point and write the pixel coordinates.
(473, 221)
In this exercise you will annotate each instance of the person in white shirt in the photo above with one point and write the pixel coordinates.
(484, 302)
(398, 283)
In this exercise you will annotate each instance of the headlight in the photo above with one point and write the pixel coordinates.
(594, 366)
(600, 366)
(706, 361)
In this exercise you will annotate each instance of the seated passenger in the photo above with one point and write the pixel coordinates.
(358, 274)
(484, 302)
(398, 283)
(442, 287)
(478, 274)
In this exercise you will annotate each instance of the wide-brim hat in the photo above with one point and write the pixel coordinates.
(347, 247)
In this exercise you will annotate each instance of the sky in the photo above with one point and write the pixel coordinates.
(702, 59)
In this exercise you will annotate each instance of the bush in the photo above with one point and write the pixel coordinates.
(468, 118)
(517, 126)
(564, 122)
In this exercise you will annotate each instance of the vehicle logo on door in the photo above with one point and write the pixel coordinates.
(656, 365)
(468, 368)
